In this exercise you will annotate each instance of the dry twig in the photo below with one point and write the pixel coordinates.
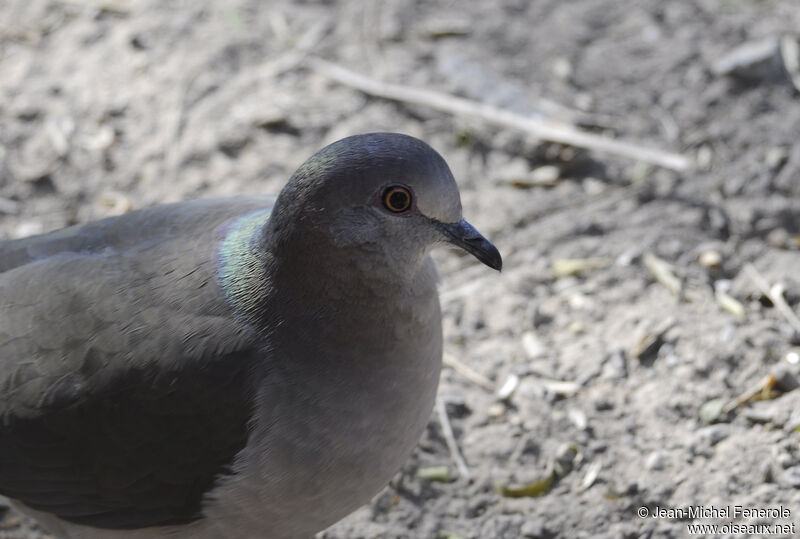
(541, 128)
(447, 432)
(763, 389)
(664, 273)
(466, 371)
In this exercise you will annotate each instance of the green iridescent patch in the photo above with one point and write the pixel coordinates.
(238, 258)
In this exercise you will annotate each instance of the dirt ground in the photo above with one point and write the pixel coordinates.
(611, 383)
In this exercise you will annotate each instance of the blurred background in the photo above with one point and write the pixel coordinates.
(636, 162)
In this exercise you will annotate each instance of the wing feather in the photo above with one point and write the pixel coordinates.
(126, 381)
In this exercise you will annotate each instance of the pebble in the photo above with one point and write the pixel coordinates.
(709, 259)
(533, 345)
(776, 157)
(785, 379)
(603, 404)
(27, 228)
(508, 387)
(562, 68)
(496, 410)
(534, 529)
(655, 461)
(545, 176)
(704, 157)
(578, 418)
(593, 186)
(714, 433)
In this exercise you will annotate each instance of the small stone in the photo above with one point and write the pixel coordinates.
(596, 447)
(655, 461)
(546, 176)
(576, 327)
(591, 475)
(593, 186)
(785, 379)
(578, 418)
(711, 410)
(27, 228)
(534, 529)
(714, 434)
(766, 473)
(603, 404)
(562, 68)
(115, 203)
(704, 157)
(776, 157)
(580, 302)
(508, 387)
(496, 410)
(103, 139)
(709, 259)
(533, 345)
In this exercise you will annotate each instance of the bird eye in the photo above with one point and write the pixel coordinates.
(397, 198)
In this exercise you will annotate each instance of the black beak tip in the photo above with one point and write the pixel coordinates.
(464, 235)
(487, 253)
(494, 260)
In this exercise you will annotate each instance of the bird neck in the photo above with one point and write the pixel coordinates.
(297, 268)
(243, 271)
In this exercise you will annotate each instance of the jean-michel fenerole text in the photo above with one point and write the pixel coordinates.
(693, 512)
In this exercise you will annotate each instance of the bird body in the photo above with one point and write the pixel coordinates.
(245, 367)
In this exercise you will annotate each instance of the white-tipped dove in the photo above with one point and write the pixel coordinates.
(247, 367)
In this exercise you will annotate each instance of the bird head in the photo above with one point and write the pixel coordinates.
(383, 193)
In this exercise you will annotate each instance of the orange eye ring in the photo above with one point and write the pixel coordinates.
(397, 198)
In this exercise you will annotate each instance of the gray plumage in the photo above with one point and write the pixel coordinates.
(237, 368)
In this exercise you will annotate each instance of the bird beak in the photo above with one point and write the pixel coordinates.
(463, 235)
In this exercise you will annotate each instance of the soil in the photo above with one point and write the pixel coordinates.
(612, 382)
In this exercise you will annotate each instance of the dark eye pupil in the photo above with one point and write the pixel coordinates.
(398, 200)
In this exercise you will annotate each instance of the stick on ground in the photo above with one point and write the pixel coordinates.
(447, 432)
(543, 129)
(466, 371)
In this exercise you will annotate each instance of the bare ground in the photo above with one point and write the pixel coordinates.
(108, 105)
